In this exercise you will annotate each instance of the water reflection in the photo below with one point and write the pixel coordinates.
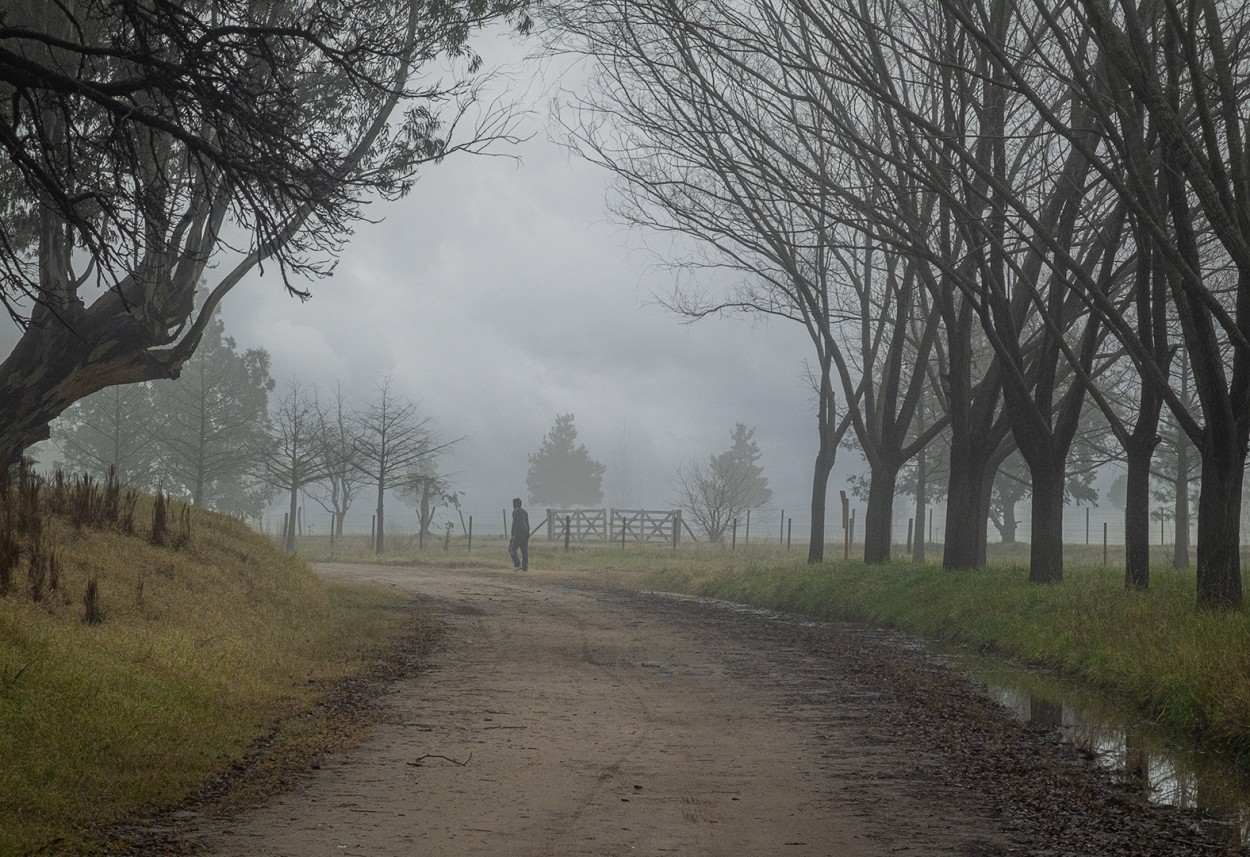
(1138, 754)
(1167, 772)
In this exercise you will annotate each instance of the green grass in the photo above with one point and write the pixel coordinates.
(199, 653)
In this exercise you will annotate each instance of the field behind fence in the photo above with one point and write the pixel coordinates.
(1093, 535)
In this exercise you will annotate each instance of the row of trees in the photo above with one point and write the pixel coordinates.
(989, 218)
(214, 437)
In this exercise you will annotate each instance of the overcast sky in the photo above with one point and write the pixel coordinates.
(500, 294)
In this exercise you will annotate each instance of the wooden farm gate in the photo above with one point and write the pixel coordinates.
(645, 525)
(611, 525)
(584, 524)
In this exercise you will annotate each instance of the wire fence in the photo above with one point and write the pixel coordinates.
(1093, 527)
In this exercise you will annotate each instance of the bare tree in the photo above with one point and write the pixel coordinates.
(341, 470)
(1164, 83)
(295, 458)
(713, 129)
(391, 438)
(140, 135)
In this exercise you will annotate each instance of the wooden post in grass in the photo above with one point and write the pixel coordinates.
(746, 539)
(1087, 525)
(1104, 543)
(332, 532)
(568, 525)
(286, 522)
(789, 530)
(733, 544)
(846, 526)
(624, 529)
(911, 522)
(782, 535)
(373, 532)
(470, 550)
(676, 527)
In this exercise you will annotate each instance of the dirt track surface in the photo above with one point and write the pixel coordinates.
(556, 719)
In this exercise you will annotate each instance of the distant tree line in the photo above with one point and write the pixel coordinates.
(216, 437)
(1015, 235)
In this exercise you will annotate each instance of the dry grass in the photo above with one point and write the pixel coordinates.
(197, 651)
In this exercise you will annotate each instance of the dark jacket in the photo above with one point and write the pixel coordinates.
(520, 525)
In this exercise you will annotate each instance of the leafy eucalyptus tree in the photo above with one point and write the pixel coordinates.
(149, 144)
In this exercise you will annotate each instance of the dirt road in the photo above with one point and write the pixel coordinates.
(562, 720)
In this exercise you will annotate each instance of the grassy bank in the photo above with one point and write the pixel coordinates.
(1153, 650)
(199, 651)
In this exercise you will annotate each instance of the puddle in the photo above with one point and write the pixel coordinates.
(1168, 772)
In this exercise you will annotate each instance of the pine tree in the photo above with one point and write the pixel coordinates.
(562, 473)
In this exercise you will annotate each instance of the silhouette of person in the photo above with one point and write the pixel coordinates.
(520, 542)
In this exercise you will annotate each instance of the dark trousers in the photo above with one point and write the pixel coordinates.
(523, 546)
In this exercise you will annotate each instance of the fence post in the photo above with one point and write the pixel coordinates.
(551, 525)
(1104, 543)
(846, 526)
(852, 532)
(568, 525)
(782, 535)
(733, 545)
(373, 532)
(470, 550)
(789, 530)
(746, 539)
(1087, 525)
(505, 522)
(624, 529)
(286, 522)
(911, 522)
(421, 533)
(331, 532)
(611, 525)
(676, 527)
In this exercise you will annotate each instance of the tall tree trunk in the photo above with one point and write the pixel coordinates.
(922, 502)
(1046, 543)
(826, 454)
(879, 519)
(1219, 521)
(1007, 532)
(290, 530)
(1137, 512)
(820, 492)
(1180, 551)
(967, 503)
(379, 544)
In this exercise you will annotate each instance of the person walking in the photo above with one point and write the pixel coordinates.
(520, 542)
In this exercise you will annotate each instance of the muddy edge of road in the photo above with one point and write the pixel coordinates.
(1051, 798)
